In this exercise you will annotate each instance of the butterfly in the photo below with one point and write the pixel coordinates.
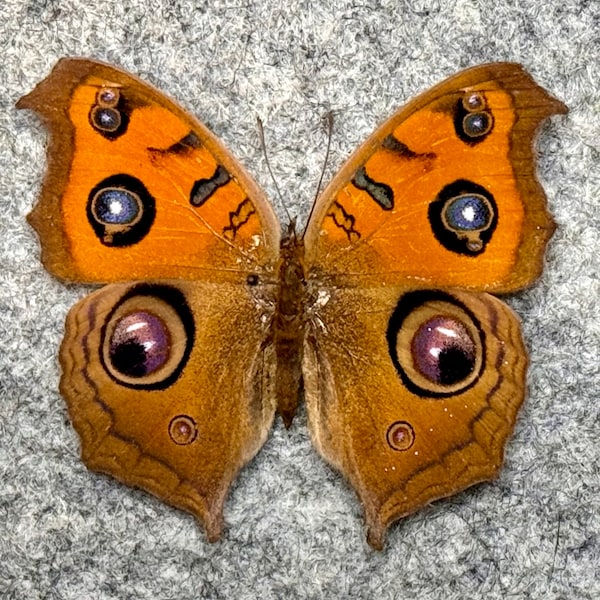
(212, 321)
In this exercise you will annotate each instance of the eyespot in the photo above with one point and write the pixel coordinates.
(109, 116)
(148, 337)
(400, 436)
(477, 124)
(473, 120)
(108, 96)
(120, 210)
(463, 217)
(116, 206)
(183, 430)
(443, 350)
(468, 212)
(105, 118)
(140, 344)
(473, 102)
(436, 344)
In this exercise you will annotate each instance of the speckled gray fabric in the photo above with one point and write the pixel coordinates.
(294, 527)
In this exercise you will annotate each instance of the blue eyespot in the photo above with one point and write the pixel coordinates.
(477, 124)
(120, 210)
(468, 212)
(107, 119)
(115, 206)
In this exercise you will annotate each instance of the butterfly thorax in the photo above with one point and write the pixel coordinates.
(289, 324)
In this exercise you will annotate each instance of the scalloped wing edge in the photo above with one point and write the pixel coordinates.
(50, 101)
(536, 104)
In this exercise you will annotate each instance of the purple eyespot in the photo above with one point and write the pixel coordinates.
(443, 350)
(140, 344)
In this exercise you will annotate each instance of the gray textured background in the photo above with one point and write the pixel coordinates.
(294, 528)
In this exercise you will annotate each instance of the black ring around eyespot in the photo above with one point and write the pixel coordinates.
(121, 234)
(452, 239)
(406, 305)
(177, 300)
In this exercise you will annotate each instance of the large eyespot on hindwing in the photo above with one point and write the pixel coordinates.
(120, 210)
(436, 344)
(463, 217)
(148, 337)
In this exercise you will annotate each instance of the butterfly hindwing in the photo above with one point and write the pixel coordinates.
(405, 424)
(148, 376)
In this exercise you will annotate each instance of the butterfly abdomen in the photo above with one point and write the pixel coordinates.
(289, 326)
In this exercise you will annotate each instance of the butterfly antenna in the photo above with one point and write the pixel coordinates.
(261, 135)
(329, 118)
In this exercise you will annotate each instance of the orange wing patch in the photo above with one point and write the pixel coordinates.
(136, 173)
(447, 179)
(181, 175)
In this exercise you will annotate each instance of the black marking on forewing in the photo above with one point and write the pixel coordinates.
(190, 142)
(238, 217)
(400, 148)
(186, 144)
(344, 220)
(380, 192)
(203, 189)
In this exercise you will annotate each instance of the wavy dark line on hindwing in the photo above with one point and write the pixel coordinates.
(493, 319)
(141, 454)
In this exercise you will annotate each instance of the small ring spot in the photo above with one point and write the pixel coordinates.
(400, 436)
(473, 102)
(183, 430)
(106, 119)
(108, 97)
(477, 124)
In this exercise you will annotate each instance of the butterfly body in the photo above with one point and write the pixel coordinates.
(289, 324)
(378, 314)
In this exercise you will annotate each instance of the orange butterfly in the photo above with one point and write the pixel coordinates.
(213, 321)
